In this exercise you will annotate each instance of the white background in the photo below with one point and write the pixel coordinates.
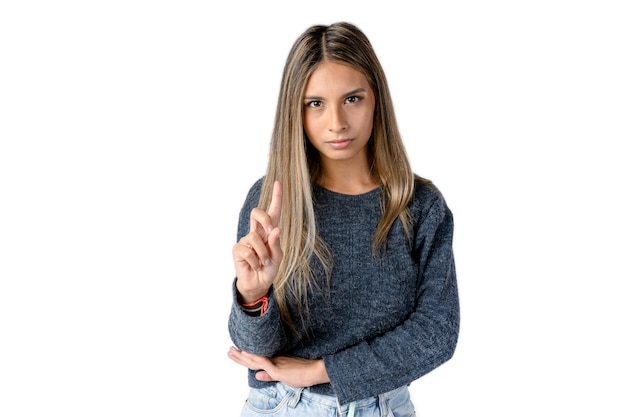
(131, 130)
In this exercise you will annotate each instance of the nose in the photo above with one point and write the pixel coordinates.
(337, 119)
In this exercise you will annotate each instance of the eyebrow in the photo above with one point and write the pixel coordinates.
(348, 94)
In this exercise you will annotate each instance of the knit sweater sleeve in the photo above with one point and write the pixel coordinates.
(422, 342)
(262, 335)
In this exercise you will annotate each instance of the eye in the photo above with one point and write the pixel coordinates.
(314, 104)
(353, 99)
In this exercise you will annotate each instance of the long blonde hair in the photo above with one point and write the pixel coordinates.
(296, 163)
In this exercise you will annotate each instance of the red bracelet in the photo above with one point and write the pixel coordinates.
(259, 306)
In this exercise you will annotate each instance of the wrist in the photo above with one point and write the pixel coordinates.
(247, 298)
(256, 307)
(320, 372)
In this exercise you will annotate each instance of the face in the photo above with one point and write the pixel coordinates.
(339, 113)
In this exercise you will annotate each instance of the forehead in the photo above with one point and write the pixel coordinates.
(333, 77)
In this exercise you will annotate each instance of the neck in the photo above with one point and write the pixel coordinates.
(347, 178)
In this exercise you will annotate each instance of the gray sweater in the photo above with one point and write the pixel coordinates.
(385, 320)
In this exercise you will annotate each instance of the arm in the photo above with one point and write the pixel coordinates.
(426, 339)
(257, 256)
(295, 372)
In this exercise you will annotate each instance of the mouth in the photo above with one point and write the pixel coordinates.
(339, 143)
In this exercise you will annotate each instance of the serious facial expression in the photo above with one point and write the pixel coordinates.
(338, 112)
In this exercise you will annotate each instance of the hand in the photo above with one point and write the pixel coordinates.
(295, 372)
(258, 255)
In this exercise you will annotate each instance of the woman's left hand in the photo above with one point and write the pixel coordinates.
(292, 371)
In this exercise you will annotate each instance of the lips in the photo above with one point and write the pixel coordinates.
(339, 143)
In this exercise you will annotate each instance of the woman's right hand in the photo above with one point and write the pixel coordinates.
(258, 255)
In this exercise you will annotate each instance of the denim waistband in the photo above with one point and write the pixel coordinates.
(331, 401)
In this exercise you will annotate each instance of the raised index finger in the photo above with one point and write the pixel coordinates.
(276, 203)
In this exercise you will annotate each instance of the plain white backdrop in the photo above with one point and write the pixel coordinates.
(131, 130)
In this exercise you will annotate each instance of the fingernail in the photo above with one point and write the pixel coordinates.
(267, 261)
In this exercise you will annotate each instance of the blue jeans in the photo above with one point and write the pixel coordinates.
(281, 400)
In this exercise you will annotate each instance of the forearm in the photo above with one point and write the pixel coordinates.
(295, 372)
(262, 335)
(406, 353)
(318, 373)
(416, 346)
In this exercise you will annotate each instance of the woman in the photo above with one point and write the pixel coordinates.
(345, 288)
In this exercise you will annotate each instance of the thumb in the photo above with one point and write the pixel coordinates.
(263, 376)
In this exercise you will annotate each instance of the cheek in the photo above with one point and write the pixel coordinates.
(365, 123)
(371, 128)
(310, 127)
(371, 120)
